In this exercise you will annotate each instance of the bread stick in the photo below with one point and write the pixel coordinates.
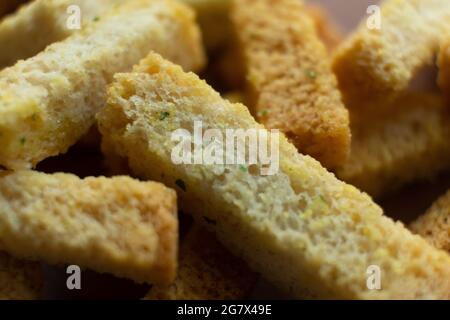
(49, 101)
(49, 20)
(289, 78)
(119, 225)
(300, 227)
(412, 142)
(376, 64)
(434, 225)
(19, 280)
(207, 271)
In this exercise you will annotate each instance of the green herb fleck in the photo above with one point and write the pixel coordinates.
(180, 183)
(311, 74)
(209, 221)
(243, 168)
(97, 18)
(34, 116)
(263, 113)
(163, 115)
(22, 141)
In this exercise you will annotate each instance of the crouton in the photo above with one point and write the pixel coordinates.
(434, 225)
(412, 142)
(206, 271)
(376, 64)
(289, 78)
(19, 280)
(118, 225)
(300, 227)
(49, 18)
(49, 101)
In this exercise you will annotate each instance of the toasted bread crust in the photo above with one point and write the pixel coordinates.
(409, 143)
(19, 41)
(207, 271)
(434, 225)
(378, 64)
(74, 73)
(119, 225)
(289, 77)
(299, 228)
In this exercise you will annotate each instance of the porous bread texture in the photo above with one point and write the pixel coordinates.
(378, 64)
(411, 142)
(213, 17)
(19, 280)
(206, 271)
(299, 228)
(289, 78)
(118, 225)
(48, 19)
(49, 101)
(434, 225)
(444, 68)
(6, 6)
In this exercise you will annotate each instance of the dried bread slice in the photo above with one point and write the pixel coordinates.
(206, 271)
(49, 101)
(119, 225)
(411, 142)
(289, 78)
(377, 63)
(434, 225)
(49, 20)
(300, 227)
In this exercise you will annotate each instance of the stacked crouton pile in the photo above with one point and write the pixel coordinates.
(92, 92)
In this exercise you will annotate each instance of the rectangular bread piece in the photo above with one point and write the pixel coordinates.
(434, 225)
(411, 142)
(119, 225)
(206, 271)
(300, 227)
(289, 78)
(379, 63)
(49, 101)
(48, 20)
(19, 280)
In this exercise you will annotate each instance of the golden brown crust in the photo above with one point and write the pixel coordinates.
(378, 64)
(434, 225)
(409, 143)
(289, 77)
(49, 17)
(206, 271)
(74, 73)
(19, 280)
(300, 227)
(118, 225)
